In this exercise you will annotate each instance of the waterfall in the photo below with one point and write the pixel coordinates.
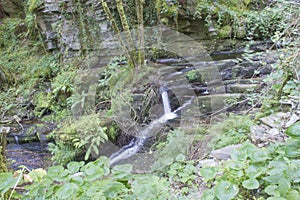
(152, 129)
(165, 99)
(16, 139)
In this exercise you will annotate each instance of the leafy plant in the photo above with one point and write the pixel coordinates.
(182, 175)
(176, 144)
(241, 18)
(87, 181)
(77, 136)
(256, 173)
(233, 130)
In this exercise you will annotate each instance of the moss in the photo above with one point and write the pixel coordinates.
(225, 32)
(241, 32)
(3, 167)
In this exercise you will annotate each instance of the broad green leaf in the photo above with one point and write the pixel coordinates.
(292, 149)
(114, 190)
(283, 186)
(293, 195)
(259, 155)
(66, 191)
(253, 171)
(189, 169)
(92, 190)
(57, 173)
(208, 173)
(50, 190)
(103, 161)
(239, 155)
(55, 170)
(41, 193)
(37, 174)
(272, 190)
(277, 167)
(248, 148)
(251, 184)
(236, 165)
(77, 180)
(6, 181)
(208, 195)
(121, 171)
(294, 130)
(276, 198)
(273, 179)
(225, 190)
(74, 167)
(93, 172)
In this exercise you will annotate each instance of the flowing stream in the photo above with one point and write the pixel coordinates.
(27, 146)
(34, 154)
(148, 131)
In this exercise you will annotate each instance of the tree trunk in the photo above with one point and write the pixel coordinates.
(3, 167)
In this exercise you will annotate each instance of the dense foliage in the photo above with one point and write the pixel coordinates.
(36, 83)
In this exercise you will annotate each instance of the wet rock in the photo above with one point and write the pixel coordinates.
(275, 120)
(30, 133)
(294, 118)
(210, 103)
(241, 32)
(51, 6)
(207, 163)
(226, 74)
(263, 135)
(272, 128)
(265, 70)
(241, 88)
(70, 35)
(224, 153)
(236, 71)
(257, 133)
(32, 155)
(247, 72)
(51, 40)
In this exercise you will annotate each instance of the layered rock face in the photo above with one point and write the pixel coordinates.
(72, 26)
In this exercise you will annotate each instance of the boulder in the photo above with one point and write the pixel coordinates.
(224, 153)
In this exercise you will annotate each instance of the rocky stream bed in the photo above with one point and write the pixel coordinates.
(227, 76)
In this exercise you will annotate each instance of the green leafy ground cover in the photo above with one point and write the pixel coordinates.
(252, 173)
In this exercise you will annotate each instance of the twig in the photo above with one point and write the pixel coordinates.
(15, 186)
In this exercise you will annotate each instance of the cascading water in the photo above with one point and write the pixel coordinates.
(152, 129)
(16, 139)
(165, 99)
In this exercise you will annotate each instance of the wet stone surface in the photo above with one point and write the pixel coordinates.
(31, 155)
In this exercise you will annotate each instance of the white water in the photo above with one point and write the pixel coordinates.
(165, 99)
(16, 139)
(151, 130)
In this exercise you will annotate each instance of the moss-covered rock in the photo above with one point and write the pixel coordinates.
(225, 32)
(241, 32)
(3, 132)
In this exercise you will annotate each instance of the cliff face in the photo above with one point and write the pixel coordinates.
(72, 26)
(76, 26)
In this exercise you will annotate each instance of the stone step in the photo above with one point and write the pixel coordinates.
(220, 65)
(243, 81)
(215, 102)
(241, 88)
